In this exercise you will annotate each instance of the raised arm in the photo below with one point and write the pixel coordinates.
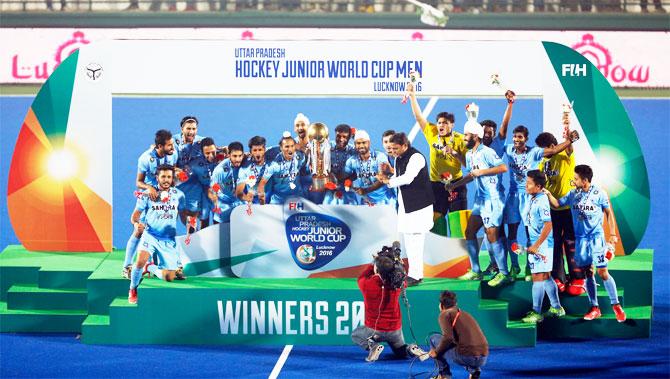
(549, 151)
(502, 132)
(416, 110)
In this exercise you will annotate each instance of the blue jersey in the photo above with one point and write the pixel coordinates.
(149, 161)
(520, 163)
(226, 176)
(535, 214)
(286, 175)
(200, 174)
(187, 151)
(498, 145)
(483, 157)
(338, 160)
(366, 174)
(251, 174)
(161, 216)
(587, 210)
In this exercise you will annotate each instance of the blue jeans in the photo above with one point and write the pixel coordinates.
(472, 364)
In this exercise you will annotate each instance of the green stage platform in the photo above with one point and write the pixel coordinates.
(84, 293)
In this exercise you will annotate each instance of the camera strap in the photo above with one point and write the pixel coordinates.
(453, 323)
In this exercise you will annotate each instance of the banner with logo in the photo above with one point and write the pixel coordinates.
(626, 59)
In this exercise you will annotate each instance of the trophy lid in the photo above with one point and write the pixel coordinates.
(317, 131)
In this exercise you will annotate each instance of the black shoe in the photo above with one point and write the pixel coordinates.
(411, 282)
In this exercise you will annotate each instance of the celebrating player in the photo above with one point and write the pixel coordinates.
(365, 166)
(484, 165)
(161, 154)
(447, 149)
(521, 158)
(187, 145)
(160, 230)
(540, 254)
(202, 168)
(284, 172)
(560, 169)
(389, 169)
(251, 174)
(340, 151)
(588, 204)
(496, 142)
(224, 183)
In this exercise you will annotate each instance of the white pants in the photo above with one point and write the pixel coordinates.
(414, 243)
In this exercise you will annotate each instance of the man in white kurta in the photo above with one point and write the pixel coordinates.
(413, 223)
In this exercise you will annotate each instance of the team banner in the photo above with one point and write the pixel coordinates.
(624, 58)
(71, 117)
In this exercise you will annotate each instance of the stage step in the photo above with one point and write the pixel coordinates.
(31, 297)
(637, 325)
(40, 321)
(62, 279)
(518, 295)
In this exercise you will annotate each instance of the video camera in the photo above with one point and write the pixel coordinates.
(395, 275)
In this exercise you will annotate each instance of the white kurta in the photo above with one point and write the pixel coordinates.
(420, 221)
(413, 225)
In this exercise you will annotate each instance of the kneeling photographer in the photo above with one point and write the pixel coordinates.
(381, 284)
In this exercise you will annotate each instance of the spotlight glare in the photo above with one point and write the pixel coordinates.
(62, 165)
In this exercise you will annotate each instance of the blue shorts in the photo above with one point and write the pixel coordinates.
(226, 210)
(347, 197)
(165, 249)
(591, 250)
(206, 205)
(490, 210)
(513, 207)
(537, 265)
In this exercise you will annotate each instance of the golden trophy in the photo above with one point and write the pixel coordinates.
(319, 155)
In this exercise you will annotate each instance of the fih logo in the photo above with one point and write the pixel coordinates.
(296, 206)
(601, 57)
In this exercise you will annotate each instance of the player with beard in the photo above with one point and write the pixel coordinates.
(364, 167)
(251, 175)
(224, 183)
(202, 169)
(340, 151)
(484, 165)
(447, 151)
(284, 172)
(496, 142)
(589, 203)
(162, 153)
(521, 158)
(160, 216)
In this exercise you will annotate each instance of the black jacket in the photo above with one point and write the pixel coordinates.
(419, 193)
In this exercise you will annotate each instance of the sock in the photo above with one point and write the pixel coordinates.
(499, 253)
(131, 248)
(135, 277)
(591, 290)
(551, 289)
(610, 286)
(513, 257)
(492, 257)
(154, 270)
(473, 252)
(538, 296)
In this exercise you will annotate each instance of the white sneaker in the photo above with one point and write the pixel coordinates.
(375, 350)
(417, 352)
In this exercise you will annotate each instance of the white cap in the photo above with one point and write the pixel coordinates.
(361, 134)
(473, 127)
(286, 134)
(301, 117)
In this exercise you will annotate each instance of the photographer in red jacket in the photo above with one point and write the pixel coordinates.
(381, 284)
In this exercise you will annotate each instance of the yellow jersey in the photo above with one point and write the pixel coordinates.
(439, 161)
(560, 170)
